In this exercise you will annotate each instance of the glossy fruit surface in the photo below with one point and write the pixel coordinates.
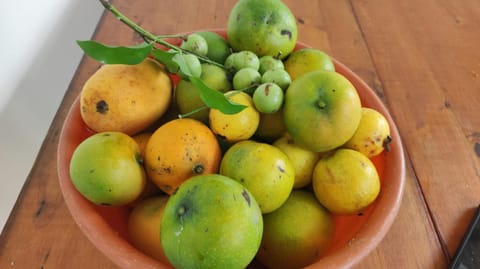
(322, 110)
(212, 221)
(263, 169)
(105, 168)
(268, 98)
(265, 27)
(144, 226)
(372, 136)
(345, 181)
(239, 126)
(303, 160)
(125, 98)
(218, 47)
(306, 60)
(297, 234)
(179, 150)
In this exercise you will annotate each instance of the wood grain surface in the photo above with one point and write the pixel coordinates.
(421, 57)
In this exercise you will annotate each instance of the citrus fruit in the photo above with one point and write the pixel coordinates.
(297, 234)
(246, 77)
(263, 169)
(242, 59)
(303, 160)
(196, 44)
(345, 181)
(143, 226)
(218, 47)
(179, 149)
(142, 139)
(322, 110)
(271, 126)
(277, 76)
(268, 98)
(125, 98)
(269, 62)
(239, 126)
(105, 168)
(372, 135)
(306, 60)
(211, 221)
(265, 27)
(187, 96)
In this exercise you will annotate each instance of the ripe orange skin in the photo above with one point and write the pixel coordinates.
(144, 226)
(179, 150)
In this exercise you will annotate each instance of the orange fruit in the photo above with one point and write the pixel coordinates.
(263, 169)
(144, 226)
(142, 139)
(372, 135)
(345, 181)
(239, 126)
(296, 234)
(306, 60)
(178, 150)
(303, 160)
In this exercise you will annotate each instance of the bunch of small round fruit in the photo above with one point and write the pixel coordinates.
(221, 188)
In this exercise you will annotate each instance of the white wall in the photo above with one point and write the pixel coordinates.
(38, 57)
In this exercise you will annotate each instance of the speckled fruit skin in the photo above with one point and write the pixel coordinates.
(105, 168)
(263, 169)
(322, 110)
(178, 150)
(125, 98)
(211, 221)
(265, 27)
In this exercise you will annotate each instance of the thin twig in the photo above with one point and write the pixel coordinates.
(149, 36)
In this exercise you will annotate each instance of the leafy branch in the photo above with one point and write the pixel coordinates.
(149, 37)
(136, 54)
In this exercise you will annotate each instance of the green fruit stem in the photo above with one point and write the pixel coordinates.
(149, 36)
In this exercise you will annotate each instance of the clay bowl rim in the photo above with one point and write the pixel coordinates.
(118, 250)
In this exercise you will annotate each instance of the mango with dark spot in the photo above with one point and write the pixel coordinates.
(125, 98)
(265, 27)
(212, 221)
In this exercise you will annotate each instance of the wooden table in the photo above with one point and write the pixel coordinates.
(421, 57)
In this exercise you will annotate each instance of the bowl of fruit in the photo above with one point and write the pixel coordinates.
(229, 148)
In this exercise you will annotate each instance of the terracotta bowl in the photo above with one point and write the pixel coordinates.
(355, 236)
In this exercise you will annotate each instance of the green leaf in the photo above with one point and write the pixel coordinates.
(166, 57)
(115, 54)
(182, 64)
(215, 99)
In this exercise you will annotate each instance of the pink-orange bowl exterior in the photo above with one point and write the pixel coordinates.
(355, 236)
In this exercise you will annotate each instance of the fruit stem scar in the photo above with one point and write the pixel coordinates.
(198, 169)
(321, 104)
(386, 143)
(102, 107)
(181, 210)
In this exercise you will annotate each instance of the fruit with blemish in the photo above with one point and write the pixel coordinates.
(125, 98)
(178, 150)
(211, 221)
(263, 169)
